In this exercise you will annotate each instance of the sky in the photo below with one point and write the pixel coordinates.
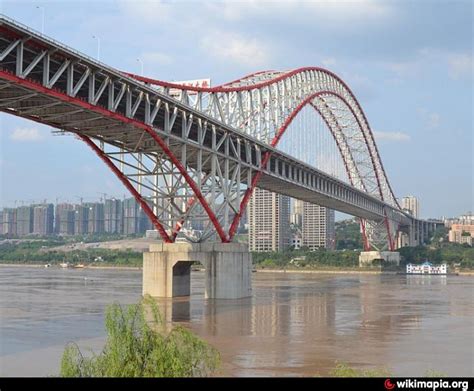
(409, 63)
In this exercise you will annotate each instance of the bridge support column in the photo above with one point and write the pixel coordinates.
(167, 269)
(366, 258)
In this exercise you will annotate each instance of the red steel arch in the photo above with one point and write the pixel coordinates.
(230, 87)
(273, 77)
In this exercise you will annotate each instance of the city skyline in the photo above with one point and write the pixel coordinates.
(399, 88)
(111, 215)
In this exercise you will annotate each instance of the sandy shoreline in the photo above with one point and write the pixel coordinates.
(321, 271)
(111, 267)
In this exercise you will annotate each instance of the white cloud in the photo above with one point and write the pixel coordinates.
(235, 48)
(153, 11)
(26, 134)
(392, 136)
(348, 9)
(460, 65)
(327, 11)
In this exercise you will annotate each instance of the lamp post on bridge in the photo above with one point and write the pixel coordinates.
(42, 17)
(141, 63)
(98, 46)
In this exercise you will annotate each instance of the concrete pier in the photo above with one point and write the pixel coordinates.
(167, 269)
(366, 258)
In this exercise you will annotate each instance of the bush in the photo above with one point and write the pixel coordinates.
(268, 263)
(343, 370)
(138, 345)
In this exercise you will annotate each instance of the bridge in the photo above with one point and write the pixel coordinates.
(190, 153)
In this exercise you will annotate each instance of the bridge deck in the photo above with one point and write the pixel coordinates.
(44, 81)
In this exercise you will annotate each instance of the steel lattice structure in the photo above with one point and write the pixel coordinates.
(188, 153)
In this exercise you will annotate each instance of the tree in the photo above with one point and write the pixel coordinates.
(138, 345)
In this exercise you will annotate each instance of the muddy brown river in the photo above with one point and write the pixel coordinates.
(294, 325)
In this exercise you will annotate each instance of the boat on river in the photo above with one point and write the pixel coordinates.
(427, 268)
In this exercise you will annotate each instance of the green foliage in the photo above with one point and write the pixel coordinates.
(35, 252)
(268, 263)
(139, 345)
(306, 258)
(449, 253)
(343, 370)
(348, 235)
(434, 373)
(440, 234)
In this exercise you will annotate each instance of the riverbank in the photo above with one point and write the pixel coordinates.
(341, 270)
(325, 271)
(348, 271)
(101, 267)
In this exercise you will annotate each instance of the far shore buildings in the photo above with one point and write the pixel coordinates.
(318, 227)
(65, 219)
(461, 229)
(24, 220)
(461, 233)
(411, 205)
(43, 219)
(269, 221)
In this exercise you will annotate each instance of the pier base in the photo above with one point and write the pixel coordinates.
(167, 269)
(367, 258)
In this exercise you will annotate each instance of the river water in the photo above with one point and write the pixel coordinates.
(294, 325)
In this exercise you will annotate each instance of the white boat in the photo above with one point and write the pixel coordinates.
(64, 265)
(427, 268)
(47, 265)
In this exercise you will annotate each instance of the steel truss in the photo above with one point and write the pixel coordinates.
(191, 156)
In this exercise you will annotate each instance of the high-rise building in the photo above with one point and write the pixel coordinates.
(95, 217)
(297, 214)
(43, 219)
(1, 222)
(131, 216)
(67, 222)
(269, 221)
(24, 220)
(318, 227)
(144, 223)
(411, 205)
(462, 229)
(113, 216)
(81, 219)
(9, 222)
(64, 219)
